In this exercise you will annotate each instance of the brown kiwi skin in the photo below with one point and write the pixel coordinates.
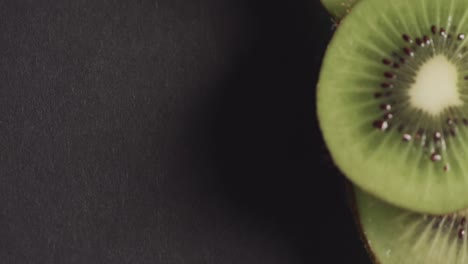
(351, 195)
(351, 203)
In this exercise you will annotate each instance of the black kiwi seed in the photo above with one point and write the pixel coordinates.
(436, 157)
(407, 137)
(408, 52)
(421, 42)
(386, 85)
(407, 38)
(390, 75)
(446, 167)
(461, 233)
(419, 133)
(381, 125)
(437, 222)
(386, 107)
(386, 61)
(427, 40)
(452, 132)
(443, 33)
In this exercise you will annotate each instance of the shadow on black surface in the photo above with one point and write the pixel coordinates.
(271, 164)
(115, 150)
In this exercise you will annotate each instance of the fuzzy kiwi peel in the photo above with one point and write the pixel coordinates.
(398, 236)
(338, 8)
(392, 102)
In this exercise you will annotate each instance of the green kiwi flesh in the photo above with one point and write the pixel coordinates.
(392, 102)
(398, 236)
(338, 8)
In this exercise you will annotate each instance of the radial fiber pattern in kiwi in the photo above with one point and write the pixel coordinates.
(397, 236)
(380, 140)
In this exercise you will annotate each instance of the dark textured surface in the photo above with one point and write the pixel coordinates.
(166, 131)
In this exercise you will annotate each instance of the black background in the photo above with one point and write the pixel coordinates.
(167, 131)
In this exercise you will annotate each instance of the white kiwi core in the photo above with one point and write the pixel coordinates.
(435, 87)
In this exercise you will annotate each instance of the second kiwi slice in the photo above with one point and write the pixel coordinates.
(398, 236)
(393, 101)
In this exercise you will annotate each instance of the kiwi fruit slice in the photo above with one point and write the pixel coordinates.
(338, 8)
(392, 102)
(395, 235)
